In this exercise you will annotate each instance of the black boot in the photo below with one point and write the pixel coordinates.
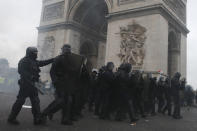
(38, 119)
(134, 120)
(50, 116)
(67, 122)
(13, 121)
(177, 117)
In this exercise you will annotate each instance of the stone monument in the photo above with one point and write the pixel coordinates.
(149, 34)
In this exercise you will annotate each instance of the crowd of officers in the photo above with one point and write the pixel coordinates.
(108, 94)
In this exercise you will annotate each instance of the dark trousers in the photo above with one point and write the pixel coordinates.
(24, 93)
(152, 103)
(138, 104)
(125, 105)
(97, 109)
(62, 102)
(161, 103)
(168, 105)
(80, 99)
(105, 104)
(177, 104)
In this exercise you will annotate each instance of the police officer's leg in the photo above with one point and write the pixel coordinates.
(165, 107)
(66, 111)
(153, 97)
(161, 104)
(140, 105)
(91, 101)
(103, 104)
(131, 110)
(97, 103)
(176, 105)
(54, 107)
(107, 106)
(35, 102)
(75, 112)
(78, 102)
(17, 107)
(169, 105)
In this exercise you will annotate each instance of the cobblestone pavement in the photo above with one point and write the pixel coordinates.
(91, 123)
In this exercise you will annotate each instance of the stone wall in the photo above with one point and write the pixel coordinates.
(153, 15)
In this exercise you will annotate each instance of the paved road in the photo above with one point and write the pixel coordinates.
(90, 123)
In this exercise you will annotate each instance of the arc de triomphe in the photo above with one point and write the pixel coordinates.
(149, 34)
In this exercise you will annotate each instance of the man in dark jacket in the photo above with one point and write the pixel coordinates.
(28, 68)
(65, 73)
(124, 91)
(138, 88)
(107, 85)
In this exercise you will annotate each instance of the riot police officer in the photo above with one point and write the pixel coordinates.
(168, 95)
(160, 94)
(124, 91)
(107, 85)
(176, 86)
(152, 95)
(28, 68)
(65, 75)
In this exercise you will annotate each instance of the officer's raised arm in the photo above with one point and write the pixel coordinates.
(45, 62)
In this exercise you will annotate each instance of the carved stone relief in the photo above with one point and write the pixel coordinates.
(54, 11)
(122, 2)
(178, 7)
(132, 50)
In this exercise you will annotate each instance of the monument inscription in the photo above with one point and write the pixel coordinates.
(54, 11)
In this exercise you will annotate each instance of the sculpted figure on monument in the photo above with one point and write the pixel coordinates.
(132, 44)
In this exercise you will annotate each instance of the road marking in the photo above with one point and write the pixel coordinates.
(27, 107)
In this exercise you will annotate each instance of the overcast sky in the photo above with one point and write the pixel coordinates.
(19, 19)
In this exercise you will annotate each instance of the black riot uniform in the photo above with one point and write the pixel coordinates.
(65, 74)
(145, 94)
(28, 68)
(168, 97)
(92, 90)
(152, 95)
(138, 84)
(175, 83)
(160, 94)
(124, 92)
(99, 90)
(106, 91)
